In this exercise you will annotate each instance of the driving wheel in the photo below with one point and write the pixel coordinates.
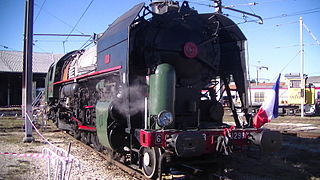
(150, 159)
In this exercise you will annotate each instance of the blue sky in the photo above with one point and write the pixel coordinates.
(274, 44)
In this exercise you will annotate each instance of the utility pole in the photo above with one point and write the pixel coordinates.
(302, 84)
(27, 71)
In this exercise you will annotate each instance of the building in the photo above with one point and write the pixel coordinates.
(11, 66)
(259, 93)
(290, 94)
(315, 81)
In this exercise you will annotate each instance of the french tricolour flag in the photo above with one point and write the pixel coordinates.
(269, 109)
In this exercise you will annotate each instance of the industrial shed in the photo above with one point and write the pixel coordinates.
(11, 67)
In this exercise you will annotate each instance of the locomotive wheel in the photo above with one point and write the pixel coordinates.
(150, 159)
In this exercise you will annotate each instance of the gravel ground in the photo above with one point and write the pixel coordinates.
(296, 124)
(299, 158)
(93, 166)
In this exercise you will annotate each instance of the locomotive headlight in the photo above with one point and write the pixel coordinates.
(165, 118)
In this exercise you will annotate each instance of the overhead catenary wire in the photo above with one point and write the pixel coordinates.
(61, 35)
(294, 22)
(57, 41)
(79, 35)
(79, 20)
(235, 5)
(287, 64)
(84, 45)
(296, 45)
(272, 1)
(311, 34)
(59, 19)
(39, 48)
(273, 27)
(303, 44)
(298, 13)
(206, 3)
(39, 11)
(251, 4)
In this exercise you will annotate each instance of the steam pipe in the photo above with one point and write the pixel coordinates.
(145, 113)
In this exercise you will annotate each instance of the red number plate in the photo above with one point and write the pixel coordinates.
(238, 135)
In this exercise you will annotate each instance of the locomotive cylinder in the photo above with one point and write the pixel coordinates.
(70, 89)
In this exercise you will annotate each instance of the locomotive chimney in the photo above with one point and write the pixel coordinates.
(217, 6)
(163, 6)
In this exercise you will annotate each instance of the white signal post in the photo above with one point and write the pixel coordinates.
(302, 84)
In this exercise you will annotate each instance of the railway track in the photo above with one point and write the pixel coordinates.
(302, 134)
(139, 175)
(127, 169)
(301, 148)
(197, 174)
(131, 171)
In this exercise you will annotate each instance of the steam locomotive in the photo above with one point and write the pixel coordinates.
(147, 90)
